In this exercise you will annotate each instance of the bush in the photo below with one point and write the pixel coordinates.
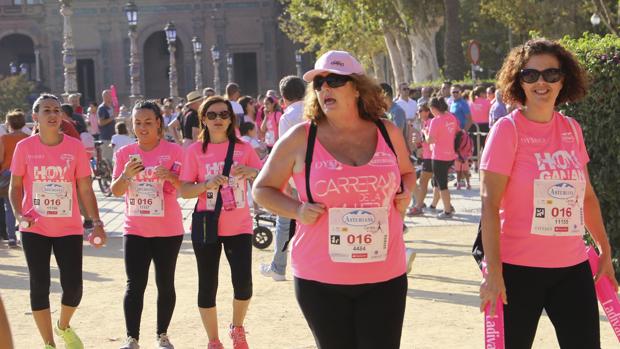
(14, 93)
(599, 116)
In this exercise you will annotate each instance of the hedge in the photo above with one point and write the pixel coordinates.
(599, 116)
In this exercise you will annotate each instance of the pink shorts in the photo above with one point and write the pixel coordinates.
(461, 166)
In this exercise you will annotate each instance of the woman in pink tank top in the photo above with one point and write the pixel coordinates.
(348, 253)
(537, 201)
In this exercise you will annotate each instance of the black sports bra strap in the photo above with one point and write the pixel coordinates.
(386, 137)
(308, 163)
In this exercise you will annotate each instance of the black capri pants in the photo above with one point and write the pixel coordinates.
(68, 254)
(566, 294)
(367, 316)
(440, 173)
(238, 250)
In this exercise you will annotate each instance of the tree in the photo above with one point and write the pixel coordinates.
(453, 43)
(14, 92)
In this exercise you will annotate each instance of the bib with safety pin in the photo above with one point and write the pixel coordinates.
(558, 207)
(146, 199)
(53, 199)
(358, 235)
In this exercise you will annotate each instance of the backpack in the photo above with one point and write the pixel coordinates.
(463, 145)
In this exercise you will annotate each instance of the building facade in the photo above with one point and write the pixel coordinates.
(31, 42)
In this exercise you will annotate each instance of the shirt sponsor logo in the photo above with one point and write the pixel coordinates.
(533, 140)
(567, 137)
(358, 218)
(562, 191)
(52, 188)
(49, 172)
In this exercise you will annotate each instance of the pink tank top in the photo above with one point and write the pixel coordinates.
(363, 189)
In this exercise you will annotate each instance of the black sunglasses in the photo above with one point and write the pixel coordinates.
(224, 114)
(332, 80)
(551, 75)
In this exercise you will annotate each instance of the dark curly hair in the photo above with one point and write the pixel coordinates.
(204, 132)
(575, 83)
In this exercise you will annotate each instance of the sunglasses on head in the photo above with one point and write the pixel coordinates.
(211, 115)
(550, 75)
(332, 80)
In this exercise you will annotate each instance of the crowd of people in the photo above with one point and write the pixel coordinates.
(335, 157)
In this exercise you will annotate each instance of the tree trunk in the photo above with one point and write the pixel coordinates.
(453, 49)
(378, 66)
(397, 66)
(424, 53)
(405, 55)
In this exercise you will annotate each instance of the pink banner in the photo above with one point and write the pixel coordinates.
(606, 294)
(493, 325)
(114, 99)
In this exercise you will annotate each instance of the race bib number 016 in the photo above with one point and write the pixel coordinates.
(358, 235)
(558, 207)
(53, 199)
(146, 199)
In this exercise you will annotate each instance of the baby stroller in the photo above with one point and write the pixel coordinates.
(262, 235)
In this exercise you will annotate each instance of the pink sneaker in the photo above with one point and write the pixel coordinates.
(237, 334)
(215, 344)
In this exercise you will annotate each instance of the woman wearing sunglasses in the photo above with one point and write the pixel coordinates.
(348, 254)
(146, 174)
(216, 170)
(537, 200)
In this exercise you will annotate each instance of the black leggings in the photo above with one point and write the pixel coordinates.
(139, 251)
(367, 316)
(566, 294)
(238, 250)
(68, 254)
(440, 173)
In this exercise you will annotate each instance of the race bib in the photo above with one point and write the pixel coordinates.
(53, 199)
(146, 199)
(558, 207)
(358, 235)
(270, 137)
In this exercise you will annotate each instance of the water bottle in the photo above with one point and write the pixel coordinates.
(228, 198)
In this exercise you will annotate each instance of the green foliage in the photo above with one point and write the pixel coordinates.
(598, 115)
(14, 91)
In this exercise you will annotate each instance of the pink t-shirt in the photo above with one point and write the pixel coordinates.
(338, 185)
(49, 178)
(480, 110)
(151, 207)
(426, 148)
(199, 167)
(271, 133)
(442, 129)
(544, 151)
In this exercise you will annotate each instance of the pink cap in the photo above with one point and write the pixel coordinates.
(337, 62)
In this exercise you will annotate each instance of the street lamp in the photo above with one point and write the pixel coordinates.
(198, 61)
(215, 55)
(298, 63)
(595, 19)
(229, 66)
(13, 68)
(171, 37)
(131, 11)
(68, 51)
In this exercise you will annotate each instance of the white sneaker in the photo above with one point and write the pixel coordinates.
(410, 258)
(163, 342)
(131, 343)
(266, 270)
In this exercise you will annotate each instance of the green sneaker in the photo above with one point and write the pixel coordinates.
(72, 341)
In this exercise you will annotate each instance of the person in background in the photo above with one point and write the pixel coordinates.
(249, 109)
(74, 100)
(106, 119)
(271, 122)
(188, 122)
(208, 92)
(77, 120)
(121, 138)
(124, 116)
(460, 108)
(427, 92)
(91, 117)
(15, 120)
(479, 106)
(490, 95)
(250, 135)
(170, 134)
(445, 92)
(395, 113)
(409, 105)
(233, 93)
(498, 108)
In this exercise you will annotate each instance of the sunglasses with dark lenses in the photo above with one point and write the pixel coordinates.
(332, 80)
(550, 75)
(211, 115)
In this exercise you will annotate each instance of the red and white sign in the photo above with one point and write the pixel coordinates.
(473, 52)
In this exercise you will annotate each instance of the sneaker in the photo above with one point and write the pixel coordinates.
(459, 186)
(445, 215)
(414, 211)
(131, 343)
(410, 258)
(12, 243)
(72, 341)
(237, 334)
(215, 344)
(432, 208)
(468, 187)
(163, 342)
(266, 270)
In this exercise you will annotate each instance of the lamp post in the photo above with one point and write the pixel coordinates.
(171, 37)
(198, 61)
(229, 66)
(298, 63)
(595, 19)
(13, 68)
(131, 10)
(215, 55)
(68, 51)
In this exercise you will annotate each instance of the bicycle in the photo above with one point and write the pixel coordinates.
(102, 170)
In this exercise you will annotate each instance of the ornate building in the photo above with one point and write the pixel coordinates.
(31, 41)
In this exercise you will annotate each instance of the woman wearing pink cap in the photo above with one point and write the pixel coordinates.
(146, 174)
(216, 170)
(354, 178)
(48, 172)
(537, 201)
